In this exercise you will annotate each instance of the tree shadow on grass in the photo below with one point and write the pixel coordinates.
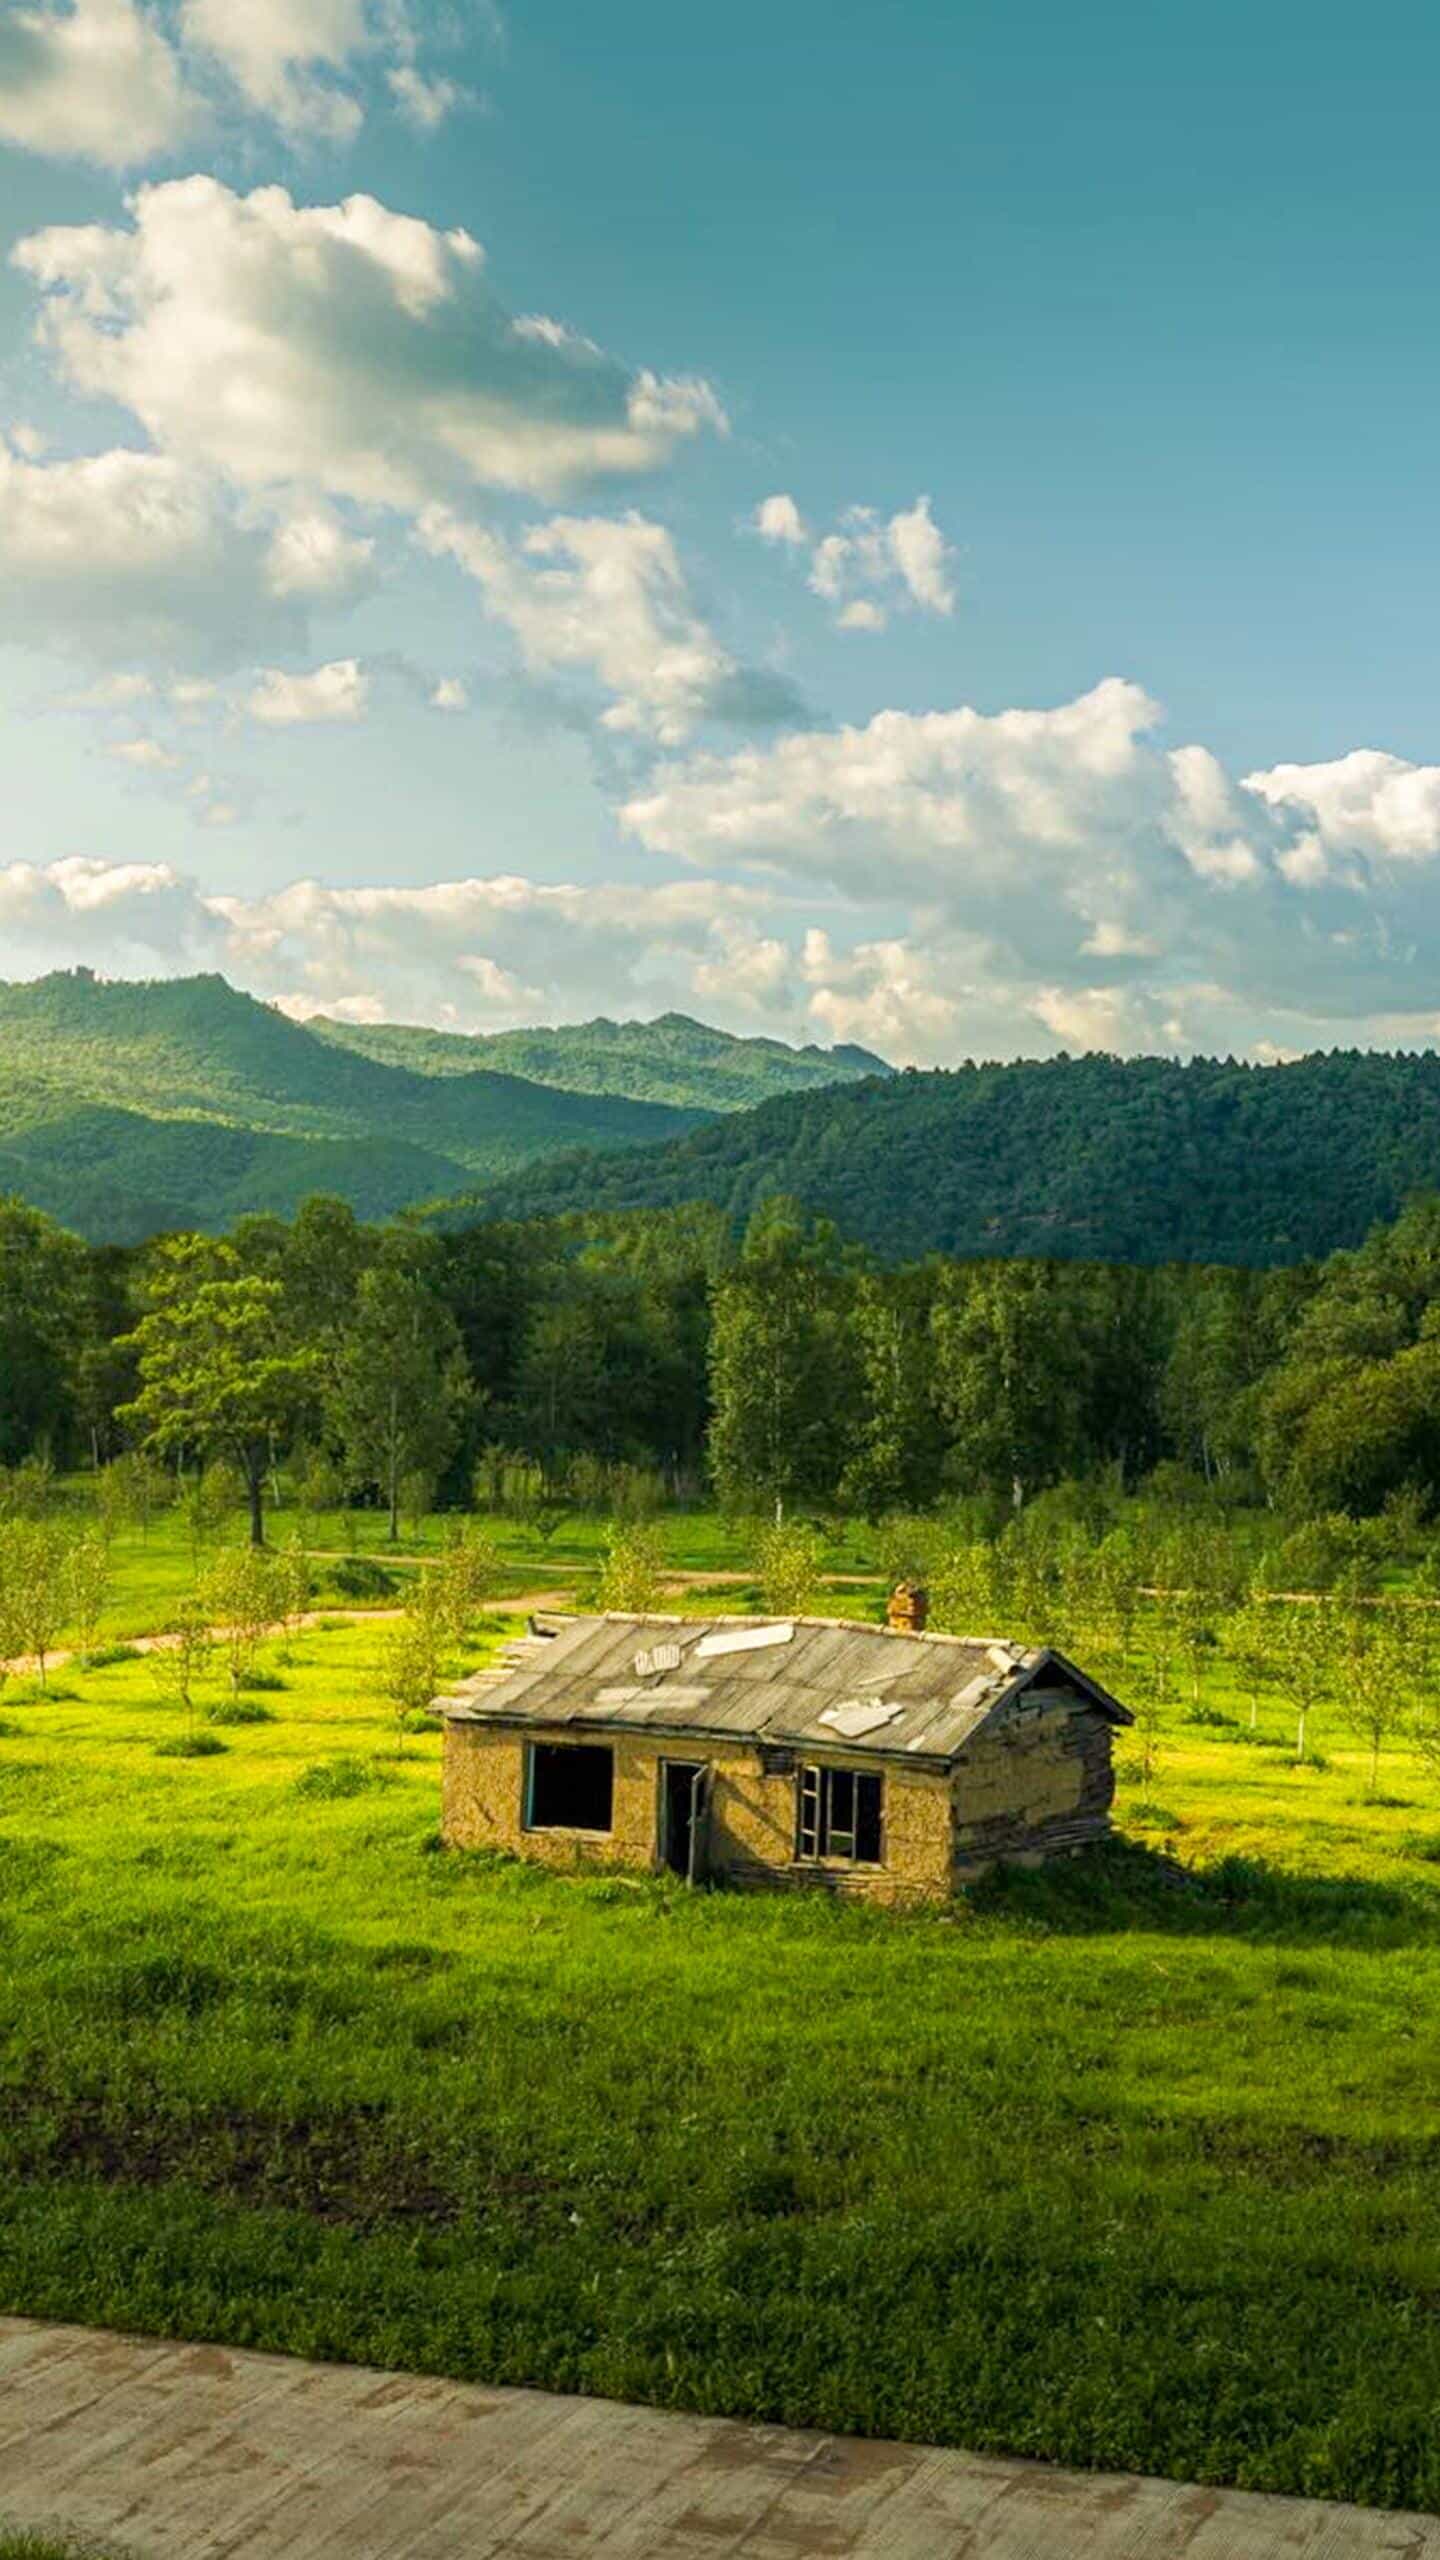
(1123, 1885)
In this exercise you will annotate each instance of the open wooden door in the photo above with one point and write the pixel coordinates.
(684, 1817)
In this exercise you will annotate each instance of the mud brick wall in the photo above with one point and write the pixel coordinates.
(1036, 1786)
(751, 1832)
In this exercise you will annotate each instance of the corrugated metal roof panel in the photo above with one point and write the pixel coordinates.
(943, 1687)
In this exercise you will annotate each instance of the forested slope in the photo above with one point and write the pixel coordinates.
(1137, 1160)
(673, 1059)
(116, 1177)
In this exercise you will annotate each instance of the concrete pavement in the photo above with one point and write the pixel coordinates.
(174, 2452)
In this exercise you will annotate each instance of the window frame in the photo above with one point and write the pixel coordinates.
(568, 1830)
(817, 1829)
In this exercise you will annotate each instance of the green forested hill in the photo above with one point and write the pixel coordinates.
(127, 1108)
(124, 1107)
(118, 1177)
(1140, 1160)
(673, 1059)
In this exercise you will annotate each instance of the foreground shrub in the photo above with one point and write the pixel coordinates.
(326, 1781)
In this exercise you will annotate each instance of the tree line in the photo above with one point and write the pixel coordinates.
(1095, 1158)
(619, 1362)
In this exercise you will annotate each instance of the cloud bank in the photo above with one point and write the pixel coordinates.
(939, 886)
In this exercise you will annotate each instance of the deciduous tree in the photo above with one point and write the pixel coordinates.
(1007, 1376)
(781, 1367)
(400, 1386)
(1379, 1683)
(180, 1662)
(787, 1567)
(1304, 1660)
(630, 1578)
(214, 1373)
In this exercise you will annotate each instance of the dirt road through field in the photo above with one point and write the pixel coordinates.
(172, 2452)
(26, 1665)
(502, 1604)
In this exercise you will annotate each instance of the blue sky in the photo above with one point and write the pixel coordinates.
(954, 569)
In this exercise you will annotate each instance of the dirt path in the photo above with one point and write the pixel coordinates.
(27, 1667)
(502, 1604)
(675, 1578)
(172, 2452)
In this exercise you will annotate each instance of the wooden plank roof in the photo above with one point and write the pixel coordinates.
(822, 1684)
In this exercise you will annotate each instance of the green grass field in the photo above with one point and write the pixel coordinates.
(151, 1570)
(1134, 2164)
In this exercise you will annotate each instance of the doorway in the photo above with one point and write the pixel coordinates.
(683, 1792)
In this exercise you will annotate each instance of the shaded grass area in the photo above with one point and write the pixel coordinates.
(1134, 2162)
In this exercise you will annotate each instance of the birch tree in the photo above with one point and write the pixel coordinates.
(1380, 1680)
(781, 1364)
(1304, 1663)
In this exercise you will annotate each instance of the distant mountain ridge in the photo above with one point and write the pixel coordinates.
(184, 1099)
(673, 1059)
(127, 1107)
(1138, 1160)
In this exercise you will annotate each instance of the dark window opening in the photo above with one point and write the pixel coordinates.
(841, 1814)
(570, 1787)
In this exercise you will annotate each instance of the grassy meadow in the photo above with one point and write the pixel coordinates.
(1136, 2163)
(150, 1570)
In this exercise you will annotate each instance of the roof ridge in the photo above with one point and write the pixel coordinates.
(786, 1618)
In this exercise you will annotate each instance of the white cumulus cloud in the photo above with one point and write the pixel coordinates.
(95, 80)
(606, 597)
(778, 519)
(950, 796)
(1366, 802)
(340, 691)
(282, 55)
(312, 554)
(135, 555)
(495, 950)
(1125, 893)
(869, 564)
(341, 348)
(921, 555)
(475, 953)
(930, 986)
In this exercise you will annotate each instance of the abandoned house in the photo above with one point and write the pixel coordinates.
(808, 1751)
